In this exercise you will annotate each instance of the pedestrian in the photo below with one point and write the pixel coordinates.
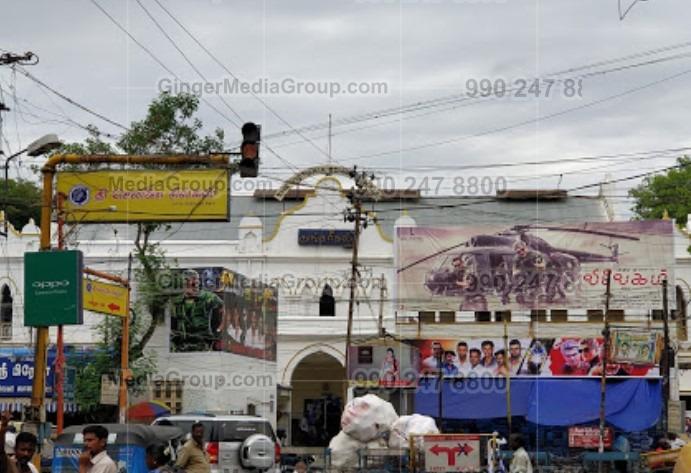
(675, 441)
(24, 450)
(10, 439)
(94, 458)
(520, 463)
(193, 458)
(158, 459)
(300, 467)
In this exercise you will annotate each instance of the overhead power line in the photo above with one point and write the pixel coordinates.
(455, 98)
(67, 99)
(157, 60)
(185, 57)
(230, 73)
(522, 123)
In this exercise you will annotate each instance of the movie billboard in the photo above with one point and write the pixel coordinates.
(383, 363)
(524, 267)
(521, 357)
(215, 309)
(632, 345)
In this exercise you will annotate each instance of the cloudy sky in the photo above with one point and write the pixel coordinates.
(619, 88)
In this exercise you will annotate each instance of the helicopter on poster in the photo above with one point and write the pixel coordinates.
(524, 266)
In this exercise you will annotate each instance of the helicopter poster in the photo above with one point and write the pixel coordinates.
(527, 267)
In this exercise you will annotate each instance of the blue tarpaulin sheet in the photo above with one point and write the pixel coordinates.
(632, 404)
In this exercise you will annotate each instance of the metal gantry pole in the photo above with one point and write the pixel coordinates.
(603, 377)
(353, 276)
(666, 362)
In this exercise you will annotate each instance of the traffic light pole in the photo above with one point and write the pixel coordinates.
(49, 170)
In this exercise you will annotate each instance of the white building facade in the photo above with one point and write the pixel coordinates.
(262, 241)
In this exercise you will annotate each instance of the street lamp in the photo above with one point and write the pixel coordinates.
(41, 146)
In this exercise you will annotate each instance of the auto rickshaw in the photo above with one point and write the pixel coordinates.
(126, 446)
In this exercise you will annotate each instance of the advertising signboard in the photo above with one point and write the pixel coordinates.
(589, 437)
(525, 267)
(637, 346)
(215, 309)
(386, 364)
(145, 195)
(524, 357)
(53, 286)
(105, 298)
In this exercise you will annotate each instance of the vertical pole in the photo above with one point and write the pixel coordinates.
(38, 390)
(508, 373)
(353, 274)
(124, 351)
(60, 357)
(329, 138)
(666, 362)
(603, 378)
(382, 289)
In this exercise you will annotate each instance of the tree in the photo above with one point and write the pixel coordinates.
(22, 202)
(170, 126)
(669, 192)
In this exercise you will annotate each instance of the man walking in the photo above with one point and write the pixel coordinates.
(520, 463)
(193, 458)
(95, 459)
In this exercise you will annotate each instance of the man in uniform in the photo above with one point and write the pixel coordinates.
(527, 281)
(196, 315)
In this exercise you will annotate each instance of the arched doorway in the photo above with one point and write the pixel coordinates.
(318, 386)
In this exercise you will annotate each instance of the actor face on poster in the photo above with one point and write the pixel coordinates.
(563, 356)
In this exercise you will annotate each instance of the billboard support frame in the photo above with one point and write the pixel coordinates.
(48, 171)
(603, 378)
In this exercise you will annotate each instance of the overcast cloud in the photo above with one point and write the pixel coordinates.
(421, 50)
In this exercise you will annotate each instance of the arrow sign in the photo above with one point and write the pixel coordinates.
(105, 298)
(447, 453)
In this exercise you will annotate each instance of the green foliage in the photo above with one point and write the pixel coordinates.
(670, 192)
(106, 361)
(170, 126)
(22, 202)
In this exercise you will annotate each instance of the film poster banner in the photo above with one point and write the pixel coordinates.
(215, 309)
(525, 267)
(384, 364)
(637, 346)
(562, 357)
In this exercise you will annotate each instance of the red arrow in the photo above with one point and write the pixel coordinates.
(113, 306)
(451, 452)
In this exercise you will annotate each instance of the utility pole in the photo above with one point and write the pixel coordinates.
(355, 215)
(603, 377)
(382, 292)
(666, 362)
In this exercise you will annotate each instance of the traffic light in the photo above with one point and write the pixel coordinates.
(249, 151)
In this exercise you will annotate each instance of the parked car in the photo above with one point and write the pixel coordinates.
(126, 446)
(235, 443)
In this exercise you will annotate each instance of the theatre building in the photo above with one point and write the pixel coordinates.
(302, 247)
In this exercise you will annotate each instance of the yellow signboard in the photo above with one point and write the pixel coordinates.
(105, 298)
(145, 195)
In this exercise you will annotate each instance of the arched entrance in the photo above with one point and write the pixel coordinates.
(318, 386)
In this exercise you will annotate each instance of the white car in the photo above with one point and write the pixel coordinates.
(235, 443)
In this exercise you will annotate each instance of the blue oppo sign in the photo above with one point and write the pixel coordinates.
(320, 237)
